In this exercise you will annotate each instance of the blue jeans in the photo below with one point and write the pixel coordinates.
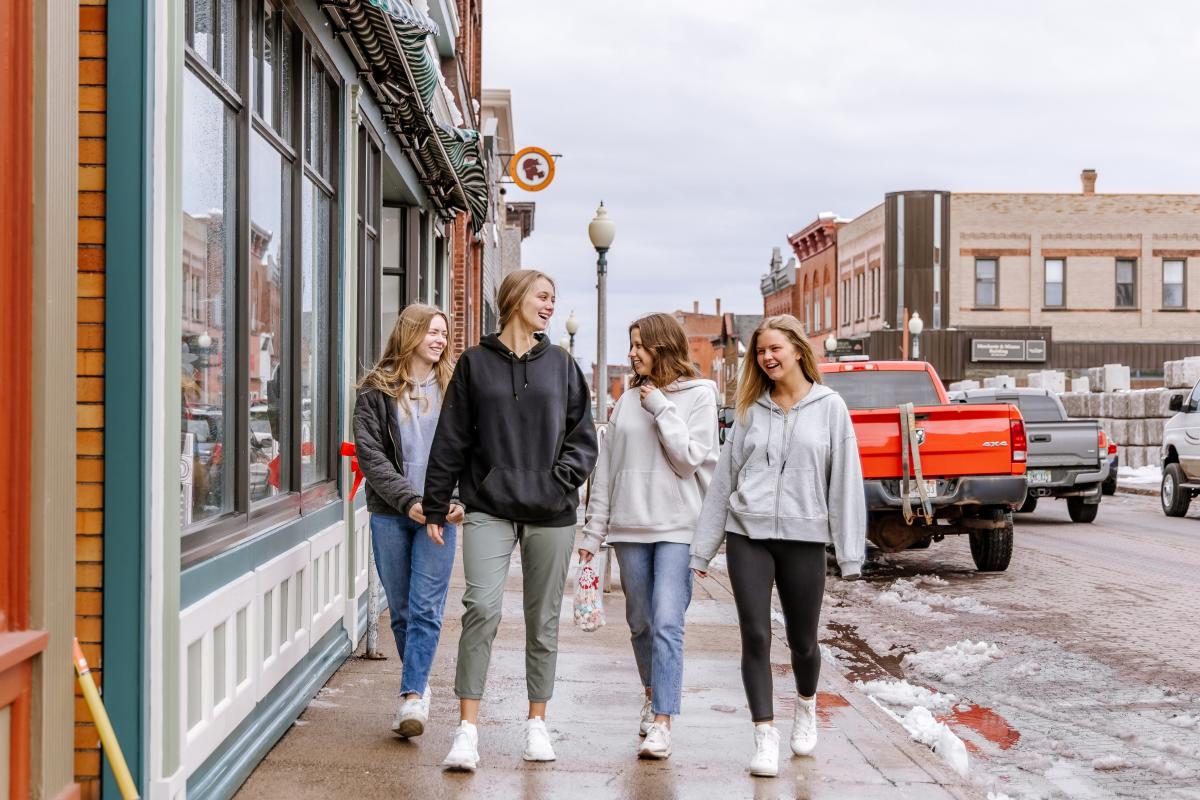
(658, 589)
(415, 572)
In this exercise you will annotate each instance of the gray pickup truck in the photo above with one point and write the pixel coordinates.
(1067, 457)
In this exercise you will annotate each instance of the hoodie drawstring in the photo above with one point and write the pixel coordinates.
(512, 373)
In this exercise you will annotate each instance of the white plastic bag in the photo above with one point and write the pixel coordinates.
(589, 600)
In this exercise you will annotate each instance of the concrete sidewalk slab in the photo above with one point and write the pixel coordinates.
(342, 745)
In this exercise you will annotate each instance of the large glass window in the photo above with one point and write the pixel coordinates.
(1056, 277)
(257, 272)
(1126, 283)
(1173, 283)
(369, 209)
(985, 282)
(394, 287)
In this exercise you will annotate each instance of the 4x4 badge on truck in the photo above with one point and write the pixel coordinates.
(995, 444)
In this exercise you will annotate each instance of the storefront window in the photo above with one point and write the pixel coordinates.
(314, 335)
(209, 159)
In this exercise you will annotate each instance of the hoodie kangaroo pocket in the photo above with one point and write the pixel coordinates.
(523, 494)
(755, 493)
(799, 495)
(646, 500)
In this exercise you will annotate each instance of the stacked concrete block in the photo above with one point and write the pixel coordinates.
(1109, 378)
(1050, 379)
(1182, 374)
(962, 386)
(1080, 385)
(1157, 402)
(1075, 403)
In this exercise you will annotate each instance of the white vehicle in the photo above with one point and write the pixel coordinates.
(1180, 454)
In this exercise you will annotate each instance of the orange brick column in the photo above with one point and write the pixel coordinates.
(89, 420)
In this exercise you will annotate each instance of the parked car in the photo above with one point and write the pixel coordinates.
(970, 459)
(1068, 458)
(1180, 454)
(1109, 486)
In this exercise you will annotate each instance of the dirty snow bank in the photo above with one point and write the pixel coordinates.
(955, 662)
(1149, 476)
(908, 595)
(903, 693)
(923, 728)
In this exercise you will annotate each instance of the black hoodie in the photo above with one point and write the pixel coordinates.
(516, 436)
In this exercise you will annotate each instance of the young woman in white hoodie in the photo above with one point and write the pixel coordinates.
(655, 463)
(788, 483)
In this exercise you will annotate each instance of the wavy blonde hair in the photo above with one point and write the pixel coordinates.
(752, 381)
(667, 342)
(392, 374)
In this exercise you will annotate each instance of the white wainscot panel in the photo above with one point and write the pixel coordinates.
(283, 603)
(330, 577)
(218, 667)
(362, 541)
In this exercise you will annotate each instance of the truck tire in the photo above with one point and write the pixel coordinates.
(1175, 499)
(1029, 505)
(992, 549)
(1081, 511)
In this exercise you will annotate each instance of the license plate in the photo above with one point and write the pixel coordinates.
(1038, 476)
(930, 490)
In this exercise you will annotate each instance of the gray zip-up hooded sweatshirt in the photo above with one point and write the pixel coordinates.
(793, 476)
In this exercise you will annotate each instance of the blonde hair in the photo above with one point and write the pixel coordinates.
(392, 374)
(667, 342)
(752, 381)
(513, 289)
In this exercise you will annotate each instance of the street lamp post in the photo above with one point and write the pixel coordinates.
(915, 326)
(602, 230)
(831, 344)
(572, 329)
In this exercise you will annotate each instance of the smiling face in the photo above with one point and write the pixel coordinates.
(433, 346)
(776, 355)
(537, 307)
(640, 358)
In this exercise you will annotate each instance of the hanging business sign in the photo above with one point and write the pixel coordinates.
(532, 169)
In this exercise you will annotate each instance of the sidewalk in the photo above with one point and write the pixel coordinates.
(343, 746)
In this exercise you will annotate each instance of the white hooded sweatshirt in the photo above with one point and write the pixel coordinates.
(655, 463)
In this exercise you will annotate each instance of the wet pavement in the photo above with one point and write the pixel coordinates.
(1076, 673)
(342, 745)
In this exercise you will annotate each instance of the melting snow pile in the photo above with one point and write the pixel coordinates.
(922, 726)
(903, 693)
(909, 596)
(954, 663)
(1140, 476)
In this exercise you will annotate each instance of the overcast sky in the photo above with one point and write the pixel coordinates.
(712, 130)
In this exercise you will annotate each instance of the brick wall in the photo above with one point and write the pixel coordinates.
(89, 419)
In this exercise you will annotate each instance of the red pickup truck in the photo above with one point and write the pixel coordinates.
(965, 463)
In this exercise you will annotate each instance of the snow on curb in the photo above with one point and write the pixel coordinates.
(955, 662)
(903, 693)
(908, 595)
(1148, 476)
(918, 720)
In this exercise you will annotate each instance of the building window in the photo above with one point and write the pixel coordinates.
(985, 282)
(1056, 283)
(828, 320)
(1173, 283)
(370, 210)
(1126, 283)
(875, 292)
(257, 358)
(860, 302)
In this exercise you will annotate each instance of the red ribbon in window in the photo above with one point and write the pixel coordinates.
(348, 449)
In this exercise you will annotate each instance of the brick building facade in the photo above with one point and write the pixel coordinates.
(701, 330)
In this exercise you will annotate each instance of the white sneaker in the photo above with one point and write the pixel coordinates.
(647, 718)
(413, 716)
(804, 727)
(657, 743)
(464, 753)
(766, 751)
(537, 741)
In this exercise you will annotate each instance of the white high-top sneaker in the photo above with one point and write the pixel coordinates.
(464, 753)
(766, 751)
(647, 717)
(414, 715)
(537, 741)
(657, 743)
(804, 728)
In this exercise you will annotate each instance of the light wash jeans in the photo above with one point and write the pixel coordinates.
(658, 589)
(415, 573)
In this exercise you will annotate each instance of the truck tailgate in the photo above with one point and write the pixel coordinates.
(959, 440)
(1070, 443)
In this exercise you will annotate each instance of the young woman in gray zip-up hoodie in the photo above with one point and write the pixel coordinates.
(787, 484)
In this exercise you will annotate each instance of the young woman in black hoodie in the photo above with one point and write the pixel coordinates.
(516, 436)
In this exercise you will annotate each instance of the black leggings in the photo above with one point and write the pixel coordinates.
(798, 569)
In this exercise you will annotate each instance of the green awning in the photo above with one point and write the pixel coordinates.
(389, 41)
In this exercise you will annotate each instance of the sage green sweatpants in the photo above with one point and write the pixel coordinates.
(487, 546)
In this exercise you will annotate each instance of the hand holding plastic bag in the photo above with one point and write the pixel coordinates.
(589, 601)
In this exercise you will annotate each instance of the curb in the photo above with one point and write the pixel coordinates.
(1145, 491)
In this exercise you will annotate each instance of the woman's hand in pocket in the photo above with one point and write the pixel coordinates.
(456, 514)
(585, 556)
(435, 532)
(699, 573)
(416, 513)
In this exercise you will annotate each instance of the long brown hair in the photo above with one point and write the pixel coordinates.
(752, 381)
(392, 375)
(667, 342)
(513, 289)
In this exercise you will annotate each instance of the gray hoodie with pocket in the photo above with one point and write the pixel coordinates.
(793, 476)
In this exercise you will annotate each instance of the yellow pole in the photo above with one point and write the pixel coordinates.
(108, 737)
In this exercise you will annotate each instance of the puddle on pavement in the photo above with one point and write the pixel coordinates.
(861, 662)
(986, 723)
